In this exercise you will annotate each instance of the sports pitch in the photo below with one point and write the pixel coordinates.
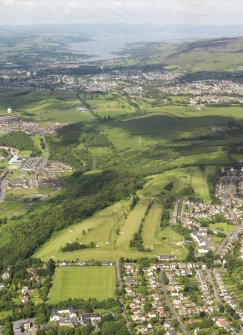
(83, 282)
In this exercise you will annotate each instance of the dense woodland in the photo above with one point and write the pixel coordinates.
(20, 141)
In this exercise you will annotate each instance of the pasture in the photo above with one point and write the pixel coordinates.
(83, 283)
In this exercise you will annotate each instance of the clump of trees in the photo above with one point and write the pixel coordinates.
(77, 246)
(166, 213)
(135, 200)
(20, 141)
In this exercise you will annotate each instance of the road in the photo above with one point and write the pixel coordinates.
(45, 159)
(170, 306)
(46, 147)
(3, 185)
(182, 211)
(118, 276)
(121, 300)
(211, 282)
(226, 240)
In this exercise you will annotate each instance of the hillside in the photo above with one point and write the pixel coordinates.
(205, 55)
(223, 54)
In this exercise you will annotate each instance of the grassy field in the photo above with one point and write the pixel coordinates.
(102, 229)
(223, 227)
(37, 140)
(6, 231)
(92, 226)
(174, 138)
(111, 107)
(55, 107)
(83, 282)
(9, 209)
(131, 225)
(151, 227)
(161, 241)
(181, 179)
(171, 243)
(103, 226)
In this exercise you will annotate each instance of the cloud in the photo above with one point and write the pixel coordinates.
(159, 11)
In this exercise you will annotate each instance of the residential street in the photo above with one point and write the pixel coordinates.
(119, 286)
(210, 279)
(169, 304)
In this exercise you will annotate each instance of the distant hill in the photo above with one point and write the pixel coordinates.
(183, 31)
(221, 54)
(203, 30)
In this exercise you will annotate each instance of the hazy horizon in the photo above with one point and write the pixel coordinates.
(29, 12)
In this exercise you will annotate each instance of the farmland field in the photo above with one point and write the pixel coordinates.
(83, 283)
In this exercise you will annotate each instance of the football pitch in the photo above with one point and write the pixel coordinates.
(83, 282)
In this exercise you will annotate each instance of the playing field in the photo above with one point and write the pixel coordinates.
(83, 282)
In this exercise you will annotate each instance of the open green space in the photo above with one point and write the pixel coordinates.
(83, 283)
(223, 227)
(181, 179)
(161, 241)
(89, 230)
(61, 107)
(113, 228)
(110, 107)
(9, 209)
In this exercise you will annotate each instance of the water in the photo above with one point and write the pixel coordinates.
(105, 46)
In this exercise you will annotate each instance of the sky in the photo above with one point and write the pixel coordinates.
(162, 12)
